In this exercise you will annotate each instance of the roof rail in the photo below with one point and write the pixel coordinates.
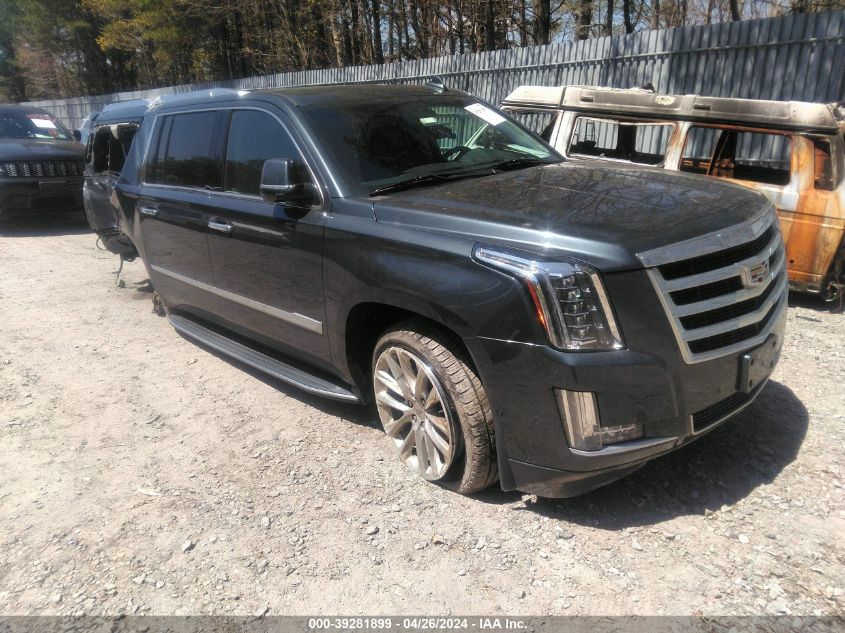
(129, 103)
(181, 97)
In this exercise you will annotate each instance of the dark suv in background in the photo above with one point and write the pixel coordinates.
(554, 325)
(41, 163)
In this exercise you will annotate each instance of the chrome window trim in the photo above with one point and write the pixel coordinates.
(231, 194)
(294, 318)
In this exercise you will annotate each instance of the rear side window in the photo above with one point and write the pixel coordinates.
(823, 177)
(185, 154)
(642, 143)
(253, 138)
(738, 155)
(108, 152)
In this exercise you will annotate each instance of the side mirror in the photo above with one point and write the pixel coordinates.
(282, 181)
(77, 135)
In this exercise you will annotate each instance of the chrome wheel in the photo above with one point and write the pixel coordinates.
(412, 409)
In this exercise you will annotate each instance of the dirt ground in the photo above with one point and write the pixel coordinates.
(142, 474)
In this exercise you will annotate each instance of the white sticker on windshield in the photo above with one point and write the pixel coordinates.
(482, 111)
(44, 123)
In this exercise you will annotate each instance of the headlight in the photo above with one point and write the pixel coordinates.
(568, 297)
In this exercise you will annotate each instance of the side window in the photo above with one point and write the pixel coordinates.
(642, 143)
(698, 149)
(540, 122)
(738, 155)
(594, 137)
(107, 153)
(253, 138)
(184, 155)
(100, 149)
(823, 165)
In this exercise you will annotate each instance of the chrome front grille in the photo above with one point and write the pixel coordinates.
(722, 292)
(41, 168)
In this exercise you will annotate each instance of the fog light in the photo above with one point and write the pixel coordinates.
(580, 414)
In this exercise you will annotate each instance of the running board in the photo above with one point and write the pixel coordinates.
(262, 362)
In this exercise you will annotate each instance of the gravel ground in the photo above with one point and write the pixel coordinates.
(142, 474)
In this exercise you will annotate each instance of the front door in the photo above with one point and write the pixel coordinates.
(267, 259)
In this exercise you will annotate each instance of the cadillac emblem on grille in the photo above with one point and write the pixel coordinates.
(757, 274)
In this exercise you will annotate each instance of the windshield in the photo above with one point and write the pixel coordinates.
(380, 145)
(16, 124)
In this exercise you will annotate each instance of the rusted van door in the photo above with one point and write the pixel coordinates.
(785, 168)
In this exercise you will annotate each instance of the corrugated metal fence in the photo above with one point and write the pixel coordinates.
(800, 57)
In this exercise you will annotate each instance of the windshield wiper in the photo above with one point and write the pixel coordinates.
(474, 172)
(424, 179)
(517, 163)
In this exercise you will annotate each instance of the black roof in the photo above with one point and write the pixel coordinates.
(308, 95)
(135, 109)
(122, 112)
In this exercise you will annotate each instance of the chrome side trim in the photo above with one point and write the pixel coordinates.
(628, 447)
(711, 242)
(300, 320)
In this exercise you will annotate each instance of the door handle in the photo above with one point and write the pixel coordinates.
(222, 227)
(150, 211)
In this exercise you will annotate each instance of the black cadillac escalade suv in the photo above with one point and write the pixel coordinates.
(554, 325)
(40, 163)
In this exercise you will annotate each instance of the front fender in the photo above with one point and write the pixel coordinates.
(423, 273)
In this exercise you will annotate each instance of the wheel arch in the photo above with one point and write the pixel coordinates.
(367, 320)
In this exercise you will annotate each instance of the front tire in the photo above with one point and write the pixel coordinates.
(434, 409)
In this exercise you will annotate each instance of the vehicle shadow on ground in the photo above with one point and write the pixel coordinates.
(718, 469)
(721, 468)
(47, 225)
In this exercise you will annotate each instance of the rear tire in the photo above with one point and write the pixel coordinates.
(433, 408)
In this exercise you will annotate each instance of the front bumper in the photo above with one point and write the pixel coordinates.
(26, 196)
(675, 402)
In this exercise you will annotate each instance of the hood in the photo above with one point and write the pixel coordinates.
(601, 214)
(24, 149)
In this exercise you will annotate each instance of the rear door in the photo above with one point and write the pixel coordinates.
(173, 210)
(267, 258)
(104, 160)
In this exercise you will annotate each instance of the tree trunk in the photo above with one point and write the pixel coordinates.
(542, 21)
(489, 26)
(585, 19)
(626, 16)
(608, 19)
(459, 15)
(735, 16)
